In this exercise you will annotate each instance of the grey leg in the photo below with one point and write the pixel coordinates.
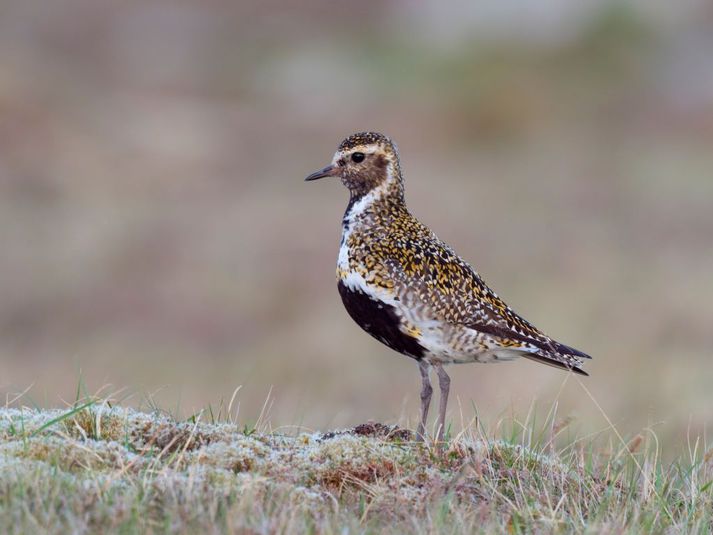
(426, 391)
(444, 382)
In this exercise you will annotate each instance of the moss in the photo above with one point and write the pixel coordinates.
(242, 455)
(97, 424)
(69, 455)
(150, 473)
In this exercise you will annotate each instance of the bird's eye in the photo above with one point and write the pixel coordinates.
(358, 157)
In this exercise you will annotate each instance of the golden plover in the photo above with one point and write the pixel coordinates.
(411, 291)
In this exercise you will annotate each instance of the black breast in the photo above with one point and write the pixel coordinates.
(380, 321)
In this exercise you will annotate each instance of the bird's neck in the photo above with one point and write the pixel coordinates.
(385, 198)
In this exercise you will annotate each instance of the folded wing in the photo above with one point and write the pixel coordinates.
(450, 290)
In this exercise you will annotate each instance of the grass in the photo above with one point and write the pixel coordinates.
(100, 468)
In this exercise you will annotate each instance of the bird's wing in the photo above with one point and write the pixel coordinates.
(450, 290)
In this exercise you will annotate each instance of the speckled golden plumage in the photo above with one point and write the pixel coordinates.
(409, 289)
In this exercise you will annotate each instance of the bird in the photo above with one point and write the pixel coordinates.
(408, 289)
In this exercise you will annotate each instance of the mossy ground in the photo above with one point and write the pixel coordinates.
(101, 469)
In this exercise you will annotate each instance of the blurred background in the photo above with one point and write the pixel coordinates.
(156, 234)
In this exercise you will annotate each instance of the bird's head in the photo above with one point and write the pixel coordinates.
(363, 162)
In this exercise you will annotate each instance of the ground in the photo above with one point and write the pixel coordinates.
(96, 468)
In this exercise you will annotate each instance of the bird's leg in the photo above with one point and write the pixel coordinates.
(444, 382)
(426, 391)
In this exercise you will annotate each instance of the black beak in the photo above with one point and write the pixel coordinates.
(327, 171)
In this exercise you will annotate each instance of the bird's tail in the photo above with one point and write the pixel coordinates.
(575, 366)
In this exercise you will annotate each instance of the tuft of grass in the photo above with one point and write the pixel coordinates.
(102, 468)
